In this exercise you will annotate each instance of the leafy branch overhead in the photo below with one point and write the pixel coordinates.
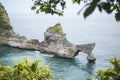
(58, 6)
(49, 6)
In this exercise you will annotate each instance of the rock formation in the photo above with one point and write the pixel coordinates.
(87, 48)
(10, 38)
(55, 41)
(5, 27)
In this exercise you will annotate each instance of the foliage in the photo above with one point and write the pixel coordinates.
(57, 28)
(108, 6)
(110, 73)
(70, 49)
(3, 39)
(4, 20)
(58, 6)
(25, 71)
(49, 6)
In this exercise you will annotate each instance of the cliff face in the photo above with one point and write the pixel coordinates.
(10, 38)
(4, 20)
(5, 27)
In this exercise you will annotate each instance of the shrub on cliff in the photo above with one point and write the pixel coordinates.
(4, 20)
(57, 28)
(112, 73)
(2, 39)
(25, 71)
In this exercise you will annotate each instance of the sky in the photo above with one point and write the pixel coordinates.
(24, 7)
(17, 6)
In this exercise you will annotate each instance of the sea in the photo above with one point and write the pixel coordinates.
(99, 28)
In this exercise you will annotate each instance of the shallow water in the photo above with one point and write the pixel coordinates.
(103, 30)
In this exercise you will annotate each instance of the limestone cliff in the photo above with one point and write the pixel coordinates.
(10, 38)
(5, 27)
(4, 20)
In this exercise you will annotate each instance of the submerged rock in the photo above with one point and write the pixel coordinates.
(55, 41)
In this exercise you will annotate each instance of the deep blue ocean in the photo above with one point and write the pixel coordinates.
(101, 29)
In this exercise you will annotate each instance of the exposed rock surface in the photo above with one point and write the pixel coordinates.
(87, 48)
(55, 41)
(23, 43)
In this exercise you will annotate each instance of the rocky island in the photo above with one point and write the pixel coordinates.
(55, 41)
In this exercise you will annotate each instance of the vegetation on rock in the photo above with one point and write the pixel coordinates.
(112, 73)
(2, 40)
(70, 49)
(4, 20)
(25, 71)
(57, 28)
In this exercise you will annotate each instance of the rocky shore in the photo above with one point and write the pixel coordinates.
(55, 41)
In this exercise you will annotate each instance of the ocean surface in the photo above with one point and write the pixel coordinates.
(100, 28)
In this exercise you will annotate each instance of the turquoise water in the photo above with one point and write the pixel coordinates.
(66, 69)
(102, 29)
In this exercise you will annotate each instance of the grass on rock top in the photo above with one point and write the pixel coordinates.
(56, 28)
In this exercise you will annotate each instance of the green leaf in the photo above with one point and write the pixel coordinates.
(117, 16)
(37, 11)
(76, 1)
(99, 8)
(107, 7)
(33, 7)
(89, 10)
